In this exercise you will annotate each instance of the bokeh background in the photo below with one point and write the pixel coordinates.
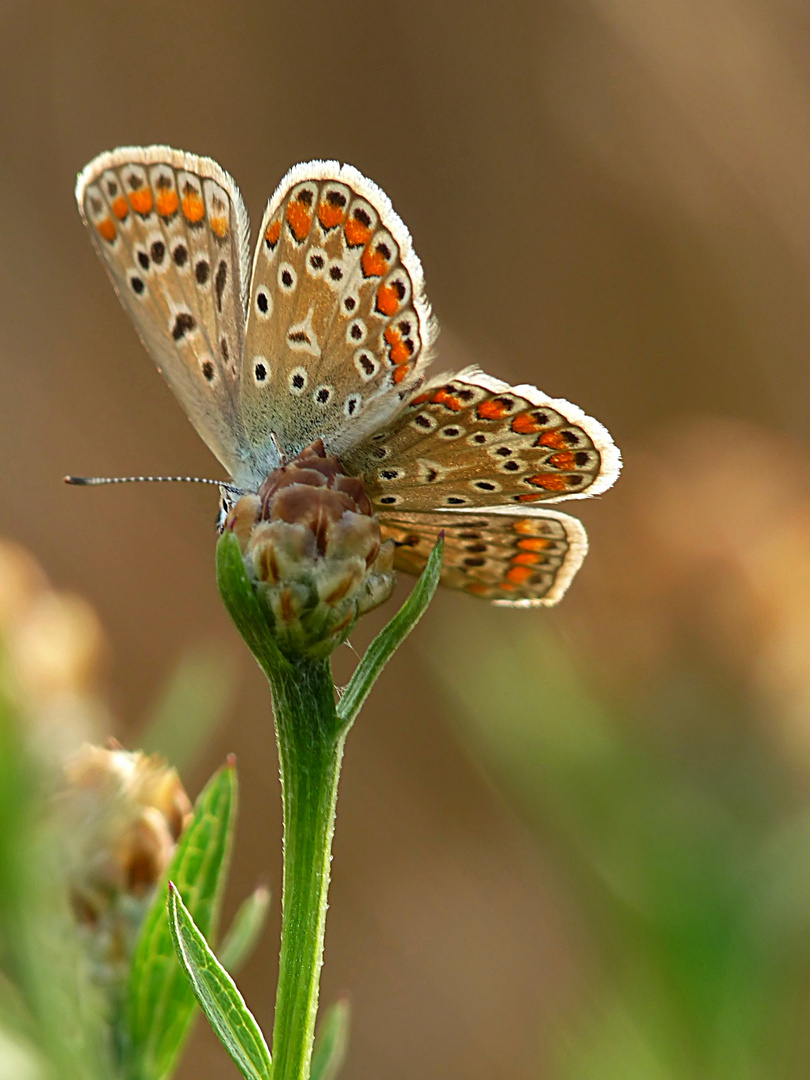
(571, 843)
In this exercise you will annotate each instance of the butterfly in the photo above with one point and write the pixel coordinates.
(328, 336)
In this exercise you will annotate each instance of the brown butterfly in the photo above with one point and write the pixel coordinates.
(328, 337)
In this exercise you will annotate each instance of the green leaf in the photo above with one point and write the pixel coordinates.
(390, 638)
(52, 1015)
(244, 607)
(331, 1042)
(223, 1005)
(245, 929)
(160, 1005)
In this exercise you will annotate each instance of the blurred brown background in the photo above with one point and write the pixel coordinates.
(610, 200)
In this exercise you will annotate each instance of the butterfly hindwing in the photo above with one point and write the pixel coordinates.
(523, 560)
(338, 326)
(173, 232)
(473, 441)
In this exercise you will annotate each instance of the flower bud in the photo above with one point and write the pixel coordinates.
(121, 815)
(311, 544)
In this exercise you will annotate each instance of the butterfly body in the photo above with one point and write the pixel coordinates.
(328, 337)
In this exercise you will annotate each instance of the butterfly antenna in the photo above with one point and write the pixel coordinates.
(94, 481)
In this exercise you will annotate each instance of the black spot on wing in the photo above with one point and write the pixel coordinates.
(219, 283)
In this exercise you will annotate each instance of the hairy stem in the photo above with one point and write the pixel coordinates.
(310, 744)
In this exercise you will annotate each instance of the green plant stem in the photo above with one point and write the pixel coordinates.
(310, 732)
(310, 744)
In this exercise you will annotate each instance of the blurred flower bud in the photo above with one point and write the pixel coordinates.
(120, 815)
(311, 545)
(51, 644)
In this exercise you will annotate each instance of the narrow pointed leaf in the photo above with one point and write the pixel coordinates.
(390, 638)
(216, 992)
(331, 1042)
(245, 929)
(160, 1007)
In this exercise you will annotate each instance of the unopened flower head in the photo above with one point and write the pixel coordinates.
(121, 815)
(311, 545)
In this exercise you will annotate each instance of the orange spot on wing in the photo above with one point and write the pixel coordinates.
(106, 230)
(387, 300)
(167, 201)
(330, 214)
(141, 200)
(554, 440)
(374, 265)
(548, 481)
(272, 233)
(527, 558)
(356, 232)
(564, 460)
(400, 372)
(519, 575)
(526, 526)
(476, 588)
(532, 543)
(420, 400)
(398, 351)
(526, 424)
(494, 409)
(441, 397)
(193, 206)
(219, 227)
(299, 219)
(120, 207)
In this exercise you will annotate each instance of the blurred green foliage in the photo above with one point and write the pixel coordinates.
(58, 1021)
(50, 1012)
(689, 854)
(194, 700)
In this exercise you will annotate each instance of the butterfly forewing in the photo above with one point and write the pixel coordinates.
(524, 560)
(338, 327)
(474, 441)
(172, 231)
